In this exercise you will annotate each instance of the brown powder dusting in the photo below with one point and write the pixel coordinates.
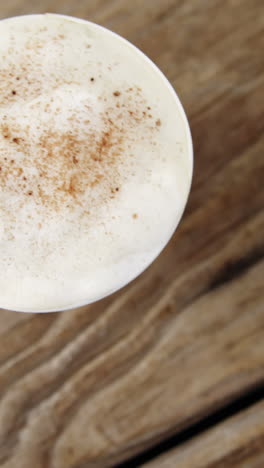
(5, 131)
(72, 167)
(158, 122)
(66, 164)
(75, 160)
(19, 171)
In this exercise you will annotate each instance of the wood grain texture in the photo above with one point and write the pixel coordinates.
(92, 386)
(237, 442)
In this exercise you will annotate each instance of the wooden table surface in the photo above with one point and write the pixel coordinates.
(167, 372)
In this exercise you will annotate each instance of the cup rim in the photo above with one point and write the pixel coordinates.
(189, 145)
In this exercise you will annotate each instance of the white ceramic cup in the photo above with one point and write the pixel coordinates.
(164, 89)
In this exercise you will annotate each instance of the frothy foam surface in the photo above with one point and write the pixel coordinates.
(95, 164)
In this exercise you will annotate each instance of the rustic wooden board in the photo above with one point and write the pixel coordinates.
(238, 442)
(92, 386)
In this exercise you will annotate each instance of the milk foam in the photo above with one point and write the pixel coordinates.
(95, 162)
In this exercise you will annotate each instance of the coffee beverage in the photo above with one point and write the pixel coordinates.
(95, 162)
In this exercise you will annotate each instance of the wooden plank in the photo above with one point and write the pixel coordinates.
(92, 386)
(172, 369)
(236, 443)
